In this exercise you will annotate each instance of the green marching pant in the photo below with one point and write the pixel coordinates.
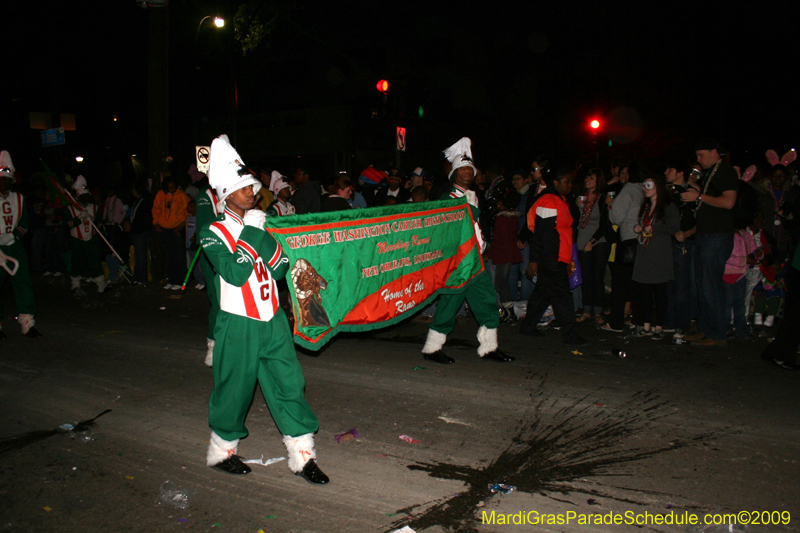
(480, 296)
(21, 282)
(85, 260)
(247, 351)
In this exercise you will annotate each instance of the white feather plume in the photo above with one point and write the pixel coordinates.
(462, 148)
(6, 164)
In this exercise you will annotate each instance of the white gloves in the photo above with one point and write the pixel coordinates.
(256, 218)
(86, 216)
(6, 239)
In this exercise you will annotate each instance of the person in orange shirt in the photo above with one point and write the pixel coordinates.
(169, 218)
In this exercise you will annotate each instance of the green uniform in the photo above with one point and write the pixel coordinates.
(253, 339)
(206, 205)
(480, 295)
(84, 245)
(14, 221)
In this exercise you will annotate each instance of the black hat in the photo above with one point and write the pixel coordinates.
(709, 144)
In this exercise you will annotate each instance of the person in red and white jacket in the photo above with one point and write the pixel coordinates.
(13, 258)
(253, 339)
(84, 244)
(550, 222)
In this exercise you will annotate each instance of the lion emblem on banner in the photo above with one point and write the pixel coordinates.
(307, 286)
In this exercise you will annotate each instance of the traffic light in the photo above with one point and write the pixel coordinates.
(594, 125)
(383, 86)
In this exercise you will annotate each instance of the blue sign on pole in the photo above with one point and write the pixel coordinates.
(53, 137)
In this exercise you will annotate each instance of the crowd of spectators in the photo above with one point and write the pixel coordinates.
(693, 249)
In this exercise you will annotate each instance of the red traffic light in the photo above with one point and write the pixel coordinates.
(594, 124)
(383, 86)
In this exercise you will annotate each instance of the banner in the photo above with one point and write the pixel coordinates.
(366, 269)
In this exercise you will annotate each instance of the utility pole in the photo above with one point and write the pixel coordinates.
(157, 90)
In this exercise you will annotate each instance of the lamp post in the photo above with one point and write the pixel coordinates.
(219, 22)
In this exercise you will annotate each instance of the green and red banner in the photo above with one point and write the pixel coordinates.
(366, 269)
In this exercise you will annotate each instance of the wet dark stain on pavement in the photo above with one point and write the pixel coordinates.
(555, 445)
(17, 442)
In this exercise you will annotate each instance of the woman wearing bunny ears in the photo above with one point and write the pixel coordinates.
(253, 340)
(13, 259)
(780, 200)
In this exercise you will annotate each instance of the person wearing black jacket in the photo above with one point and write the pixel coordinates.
(594, 234)
(551, 226)
(141, 221)
(393, 189)
(307, 195)
(682, 302)
(783, 349)
(540, 168)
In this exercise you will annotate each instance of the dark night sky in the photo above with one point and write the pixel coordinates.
(527, 78)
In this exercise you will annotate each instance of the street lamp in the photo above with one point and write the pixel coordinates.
(219, 22)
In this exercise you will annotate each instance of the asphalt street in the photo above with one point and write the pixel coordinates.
(667, 431)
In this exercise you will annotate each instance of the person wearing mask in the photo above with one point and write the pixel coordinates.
(652, 269)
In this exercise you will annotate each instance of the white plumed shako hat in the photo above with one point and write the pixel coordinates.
(6, 166)
(460, 155)
(278, 185)
(80, 187)
(226, 170)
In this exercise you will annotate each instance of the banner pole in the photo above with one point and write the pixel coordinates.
(191, 267)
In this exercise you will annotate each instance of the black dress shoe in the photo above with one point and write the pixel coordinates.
(233, 465)
(313, 474)
(499, 356)
(33, 333)
(439, 357)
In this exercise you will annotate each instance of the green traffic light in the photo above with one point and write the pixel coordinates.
(421, 111)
